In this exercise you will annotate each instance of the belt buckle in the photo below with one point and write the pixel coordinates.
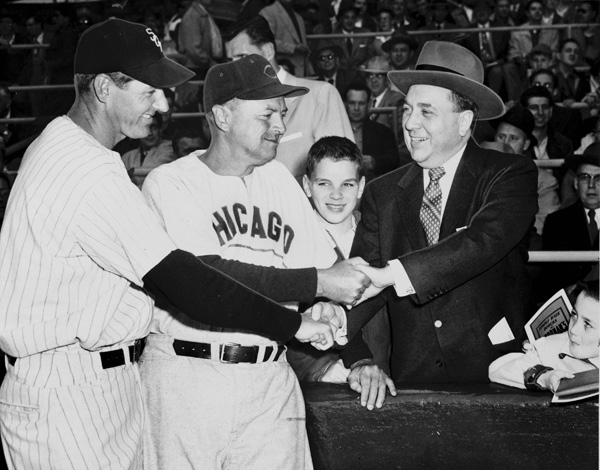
(222, 352)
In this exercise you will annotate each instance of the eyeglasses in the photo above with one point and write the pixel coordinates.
(581, 10)
(323, 58)
(549, 86)
(375, 75)
(585, 178)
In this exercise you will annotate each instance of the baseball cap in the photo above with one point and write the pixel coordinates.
(117, 45)
(249, 78)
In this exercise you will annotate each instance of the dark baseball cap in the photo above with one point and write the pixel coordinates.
(117, 45)
(249, 78)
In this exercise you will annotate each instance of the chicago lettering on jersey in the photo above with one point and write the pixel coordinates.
(229, 221)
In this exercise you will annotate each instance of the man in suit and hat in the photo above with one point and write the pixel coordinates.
(326, 58)
(446, 235)
(400, 49)
(375, 73)
(575, 228)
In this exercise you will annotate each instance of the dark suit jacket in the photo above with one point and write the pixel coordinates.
(499, 42)
(343, 79)
(565, 230)
(380, 143)
(465, 284)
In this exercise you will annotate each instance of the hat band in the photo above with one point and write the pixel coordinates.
(437, 68)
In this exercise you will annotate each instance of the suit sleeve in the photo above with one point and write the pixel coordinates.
(501, 223)
(387, 160)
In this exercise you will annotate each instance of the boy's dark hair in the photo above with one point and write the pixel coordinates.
(336, 148)
(358, 86)
(589, 288)
(257, 28)
(567, 41)
(548, 72)
(536, 92)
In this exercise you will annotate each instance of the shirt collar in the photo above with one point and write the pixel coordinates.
(449, 167)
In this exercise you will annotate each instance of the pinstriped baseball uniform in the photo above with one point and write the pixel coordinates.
(76, 241)
(204, 414)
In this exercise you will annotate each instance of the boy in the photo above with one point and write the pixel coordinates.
(335, 181)
(555, 357)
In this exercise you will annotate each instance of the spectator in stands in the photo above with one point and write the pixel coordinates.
(554, 357)
(572, 85)
(152, 152)
(326, 57)
(356, 49)
(375, 71)
(438, 19)
(309, 117)
(518, 11)
(551, 144)
(492, 49)
(575, 228)
(376, 141)
(401, 50)
(523, 41)
(402, 21)
(549, 15)
(592, 99)
(290, 34)
(515, 128)
(11, 60)
(188, 139)
(588, 38)
(385, 27)
(501, 15)
(13, 134)
(35, 71)
(539, 58)
(199, 38)
(564, 120)
(174, 24)
(363, 18)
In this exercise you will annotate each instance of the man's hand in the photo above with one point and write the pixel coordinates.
(343, 282)
(551, 379)
(320, 334)
(371, 382)
(380, 279)
(331, 313)
(368, 162)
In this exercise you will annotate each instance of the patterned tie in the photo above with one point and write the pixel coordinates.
(592, 225)
(431, 209)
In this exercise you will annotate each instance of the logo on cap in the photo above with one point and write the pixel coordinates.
(270, 71)
(154, 38)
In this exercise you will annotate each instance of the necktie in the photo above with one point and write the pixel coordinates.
(349, 46)
(330, 80)
(487, 54)
(431, 208)
(373, 116)
(592, 225)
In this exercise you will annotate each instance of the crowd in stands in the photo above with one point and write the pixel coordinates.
(551, 76)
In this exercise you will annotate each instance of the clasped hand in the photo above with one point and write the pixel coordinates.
(322, 325)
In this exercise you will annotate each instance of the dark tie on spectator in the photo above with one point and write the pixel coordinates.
(431, 208)
(331, 81)
(373, 116)
(349, 46)
(592, 225)
(535, 36)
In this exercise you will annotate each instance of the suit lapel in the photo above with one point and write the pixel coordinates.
(461, 193)
(409, 198)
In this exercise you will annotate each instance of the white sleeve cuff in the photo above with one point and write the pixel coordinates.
(402, 283)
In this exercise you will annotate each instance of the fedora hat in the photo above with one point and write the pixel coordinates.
(376, 64)
(448, 65)
(590, 156)
(399, 37)
(520, 117)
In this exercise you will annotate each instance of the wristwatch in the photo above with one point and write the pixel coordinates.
(531, 375)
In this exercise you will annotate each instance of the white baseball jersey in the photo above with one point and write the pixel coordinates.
(76, 239)
(263, 218)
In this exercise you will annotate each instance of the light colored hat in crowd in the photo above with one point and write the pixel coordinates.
(376, 64)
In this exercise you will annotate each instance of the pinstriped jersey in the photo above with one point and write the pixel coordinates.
(263, 218)
(76, 241)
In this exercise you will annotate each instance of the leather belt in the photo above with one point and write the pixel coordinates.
(110, 359)
(230, 353)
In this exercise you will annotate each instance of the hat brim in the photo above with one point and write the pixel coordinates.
(273, 90)
(337, 50)
(164, 73)
(489, 103)
(373, 70)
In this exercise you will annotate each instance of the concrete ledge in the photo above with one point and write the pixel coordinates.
(473, 426)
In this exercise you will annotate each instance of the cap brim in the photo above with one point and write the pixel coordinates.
(273, 90)
(386, 46)
(165, 73)
(489, 103)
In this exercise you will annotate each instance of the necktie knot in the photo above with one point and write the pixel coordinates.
(436, 173)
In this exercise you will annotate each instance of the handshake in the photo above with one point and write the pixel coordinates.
(348, 282)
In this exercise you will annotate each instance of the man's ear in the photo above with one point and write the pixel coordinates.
(306, 186)
(102, 84)
(221, 116)
(268, 51)
(527, 144)
(464, 122)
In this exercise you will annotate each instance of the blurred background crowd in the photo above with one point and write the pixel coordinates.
(548, 76)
